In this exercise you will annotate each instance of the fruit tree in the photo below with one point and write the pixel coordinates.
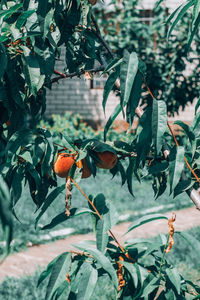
(31, 35)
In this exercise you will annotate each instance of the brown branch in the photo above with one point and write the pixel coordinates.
(76, 74)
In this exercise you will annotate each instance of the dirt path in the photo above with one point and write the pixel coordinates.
(27, 262)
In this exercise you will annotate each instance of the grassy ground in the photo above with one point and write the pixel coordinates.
(102, 183)
(182, 255)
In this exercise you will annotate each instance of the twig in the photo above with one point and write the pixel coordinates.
(76, 74)
(68, 196)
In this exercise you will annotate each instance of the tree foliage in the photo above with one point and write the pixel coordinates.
(166, 60)
(32, 33)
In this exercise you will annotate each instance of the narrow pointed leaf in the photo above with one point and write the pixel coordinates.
(159, 123)
(63, 217)
(144, 220)
(48, 269)
(174, 278)
(176, 165)
(191, 241)
(108, 87)
(58, 274)
(134, 98)
(178, 15)
(87, 283)
(111, 119)
(128, 71)
(193, 32)
(3, 60)
(51, 197)
(113, 64)
(197, 105)
(5, 214)
(102, 260)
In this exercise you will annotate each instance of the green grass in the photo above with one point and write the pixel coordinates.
(124, 204)
(182, 256)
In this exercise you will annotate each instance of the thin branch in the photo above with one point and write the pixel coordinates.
(76, 74)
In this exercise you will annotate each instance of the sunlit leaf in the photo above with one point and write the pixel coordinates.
(176, 165)
(159, 123)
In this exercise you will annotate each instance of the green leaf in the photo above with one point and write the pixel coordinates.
(151, 286)
(134, 271)
(58, 275)
(48, 269)
(180, 12)
(144, 220)
(134, 98)
(51, 197)
(176, 165)
(193, 32)
(113, 64)
(32, 73)
(5, 215)
(191, 241)
(129, 175)
(111, 119)
(144, 135)
(108, 86)
(182, 186)
(102, 260)
(23, 18)
(159, 123)
(197, 105)
(158, 167)
(87, 283)
(18, 139)
(174, 278)
(62, 217)
(102, 226)
(62, 291)
(195, 14)
(128, 71)
(3, 60)
(27, 156)
(189, 133)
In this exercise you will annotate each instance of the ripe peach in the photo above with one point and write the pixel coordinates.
(86, 171)
(63, 164)
(93, 2)
(108, 160)
(8, 123)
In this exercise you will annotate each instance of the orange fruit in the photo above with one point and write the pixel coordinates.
(86, 171)
(63, 164)
(108, 160)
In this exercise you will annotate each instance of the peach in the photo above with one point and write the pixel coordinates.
(86, 171)
(108, 160)
(63, 164)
